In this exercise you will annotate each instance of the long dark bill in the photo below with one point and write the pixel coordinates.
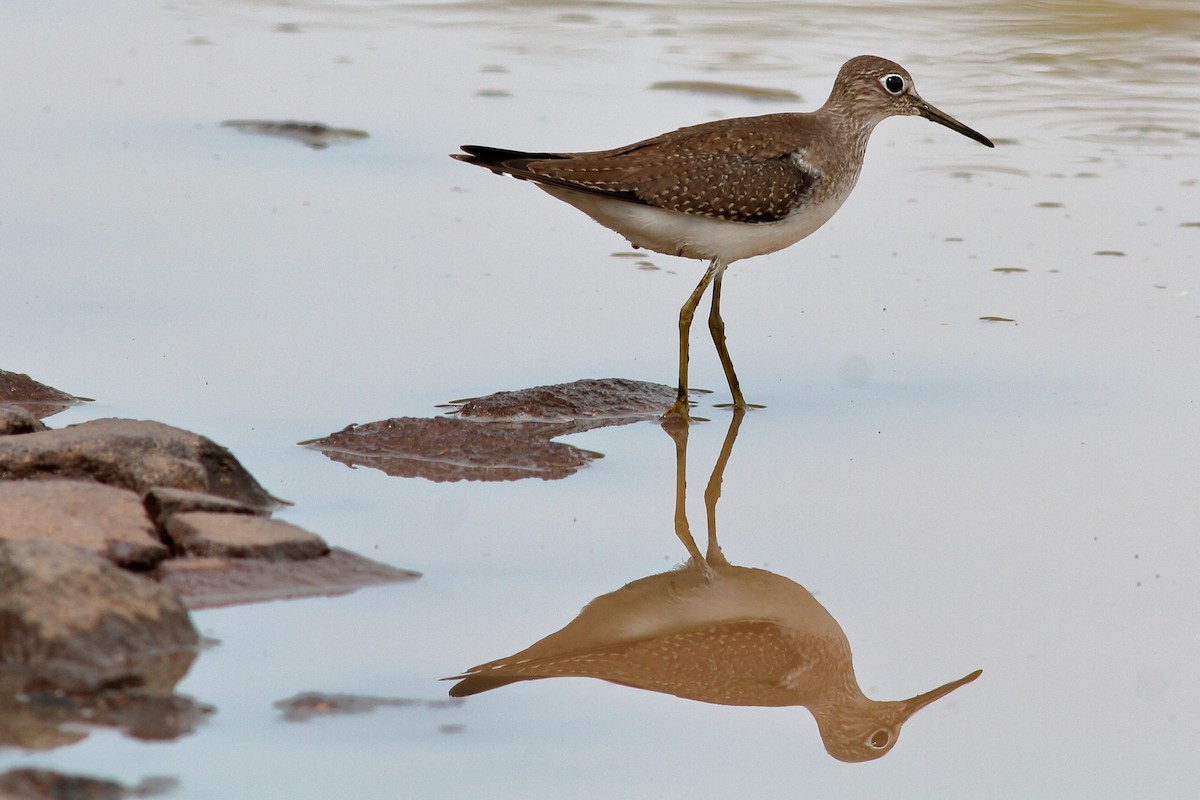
(940, 117)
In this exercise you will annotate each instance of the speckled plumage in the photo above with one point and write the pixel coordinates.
(729, 189)
(718, 633)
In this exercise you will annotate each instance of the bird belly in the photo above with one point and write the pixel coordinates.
(694, 235)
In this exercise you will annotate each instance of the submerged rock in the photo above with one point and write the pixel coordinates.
(307, 705)
(443, 449)
(44, 784)
(501, 437)
(582, 401)
(40, 400)
(316, 135)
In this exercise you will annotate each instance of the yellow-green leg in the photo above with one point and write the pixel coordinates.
(716, 326)
(680, 407)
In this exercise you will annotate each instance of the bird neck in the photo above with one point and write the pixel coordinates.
(849, 127)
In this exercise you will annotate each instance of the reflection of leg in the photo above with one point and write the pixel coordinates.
(686, 314)
(712, 492)
(677, 428)
(716, 327)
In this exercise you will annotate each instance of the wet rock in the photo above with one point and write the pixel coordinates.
(109, 522)
(135, 455)
(37, 398)
(215, 582)
(204, 533)
(72, 621)
(316, 135)
(306, 705)
(579, 401)
(44, 720)
(442, 449)
(140, 492)
(501, 437)
(44, 784)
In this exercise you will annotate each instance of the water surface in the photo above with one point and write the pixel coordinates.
(958, 493)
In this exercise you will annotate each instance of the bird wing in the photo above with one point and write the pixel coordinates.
(741, 172)
(735, 663)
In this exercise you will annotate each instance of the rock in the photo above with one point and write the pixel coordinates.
(18, 419)
(216, 582)
(44, 720)
(135, 455)
(308, 705)
(72, 621)
(316, 135)
(43, 784)
(162, 502)
(137, 493)
(582, 399)
(505, 436)
(443, 449)
(37, 398)
(203, 533)
(100, 519)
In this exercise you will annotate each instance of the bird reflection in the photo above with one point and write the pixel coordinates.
(718, 633)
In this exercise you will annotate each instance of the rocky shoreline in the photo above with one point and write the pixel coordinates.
(110, 532)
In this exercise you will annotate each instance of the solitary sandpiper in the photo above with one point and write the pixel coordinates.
(729, 189)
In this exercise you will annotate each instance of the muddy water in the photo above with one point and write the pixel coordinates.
(1015, 493)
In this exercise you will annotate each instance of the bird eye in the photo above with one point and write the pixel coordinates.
(880, 738)
(894, 84)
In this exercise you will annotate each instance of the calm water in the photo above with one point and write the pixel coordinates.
(1013, 496)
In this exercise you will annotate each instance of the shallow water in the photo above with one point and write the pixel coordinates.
(1013, 496)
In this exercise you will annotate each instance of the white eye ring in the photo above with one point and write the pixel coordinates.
(894, 84)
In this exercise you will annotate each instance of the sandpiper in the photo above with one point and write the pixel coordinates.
(730, 189)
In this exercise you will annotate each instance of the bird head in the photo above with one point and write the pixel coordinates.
(875, 88)
(864, 729)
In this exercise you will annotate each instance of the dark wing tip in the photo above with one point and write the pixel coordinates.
(499, 156)
(472, 154)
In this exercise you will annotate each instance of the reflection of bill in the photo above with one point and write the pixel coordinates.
(718, 633)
